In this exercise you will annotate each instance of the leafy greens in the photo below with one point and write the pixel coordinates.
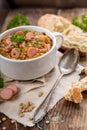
(17, 20)
(82, 22)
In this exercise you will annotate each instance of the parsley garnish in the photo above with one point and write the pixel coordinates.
(82, 22)
(26, 31)
(17, 20)
(18, 38)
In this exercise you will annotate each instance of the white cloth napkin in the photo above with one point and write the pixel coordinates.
(29, 92)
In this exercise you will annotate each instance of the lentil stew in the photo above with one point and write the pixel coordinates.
(23, 45)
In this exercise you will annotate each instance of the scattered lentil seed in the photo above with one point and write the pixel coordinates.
(4, 119)
(4, 128)
(30, 118)
(47, 122)
(0, 121)
(21, 114)
(40, 94)
(12, 121)
(25, 107)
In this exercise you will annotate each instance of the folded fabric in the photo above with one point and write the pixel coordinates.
(29, 91)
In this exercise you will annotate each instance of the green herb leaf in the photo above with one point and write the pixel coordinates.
(26, 31)
(84, 18)
(1, 82)
(82, 22)
(75, 21)
(17, 20)
(18, 38)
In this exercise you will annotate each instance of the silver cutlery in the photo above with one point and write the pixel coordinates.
(67, 65)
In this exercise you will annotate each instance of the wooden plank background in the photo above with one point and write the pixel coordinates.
(49, 3)
(70, 116)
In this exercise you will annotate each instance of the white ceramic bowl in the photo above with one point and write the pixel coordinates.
(32, 68)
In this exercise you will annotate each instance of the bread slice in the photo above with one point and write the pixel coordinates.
(73, 36)
(53, 22)
(75, 93)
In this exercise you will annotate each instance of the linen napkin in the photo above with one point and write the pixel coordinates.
(29, 92)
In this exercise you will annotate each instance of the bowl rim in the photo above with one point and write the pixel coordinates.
(29, 27)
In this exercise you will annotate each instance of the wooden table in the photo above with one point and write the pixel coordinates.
(70, 116)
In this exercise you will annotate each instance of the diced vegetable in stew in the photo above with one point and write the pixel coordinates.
(23, 45)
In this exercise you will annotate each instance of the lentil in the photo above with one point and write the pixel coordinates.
(47, 122)
(40, 94)
(4, 128)
(4, 119)
(30, 118)
(25, 107)
(12, 121)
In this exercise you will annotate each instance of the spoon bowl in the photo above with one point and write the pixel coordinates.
(68, 61)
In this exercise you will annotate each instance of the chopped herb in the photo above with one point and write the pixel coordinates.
(1, 82)
(82, 22)
(38, 42)
(18, 38)
(26, 31)
(17, 20)
(20, 49)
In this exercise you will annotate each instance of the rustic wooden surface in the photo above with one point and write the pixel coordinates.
(49, 3)
(3, 14)
(71, 116)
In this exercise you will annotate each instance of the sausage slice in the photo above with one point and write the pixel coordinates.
(6, 94)
(13, 88)
(32, 51)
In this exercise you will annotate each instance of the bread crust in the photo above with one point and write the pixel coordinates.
(73, 36)
(74, 94)
(53, 22)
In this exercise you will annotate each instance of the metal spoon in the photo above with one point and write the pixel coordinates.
(67, 65)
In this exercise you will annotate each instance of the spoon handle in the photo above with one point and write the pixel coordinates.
(42, 109)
